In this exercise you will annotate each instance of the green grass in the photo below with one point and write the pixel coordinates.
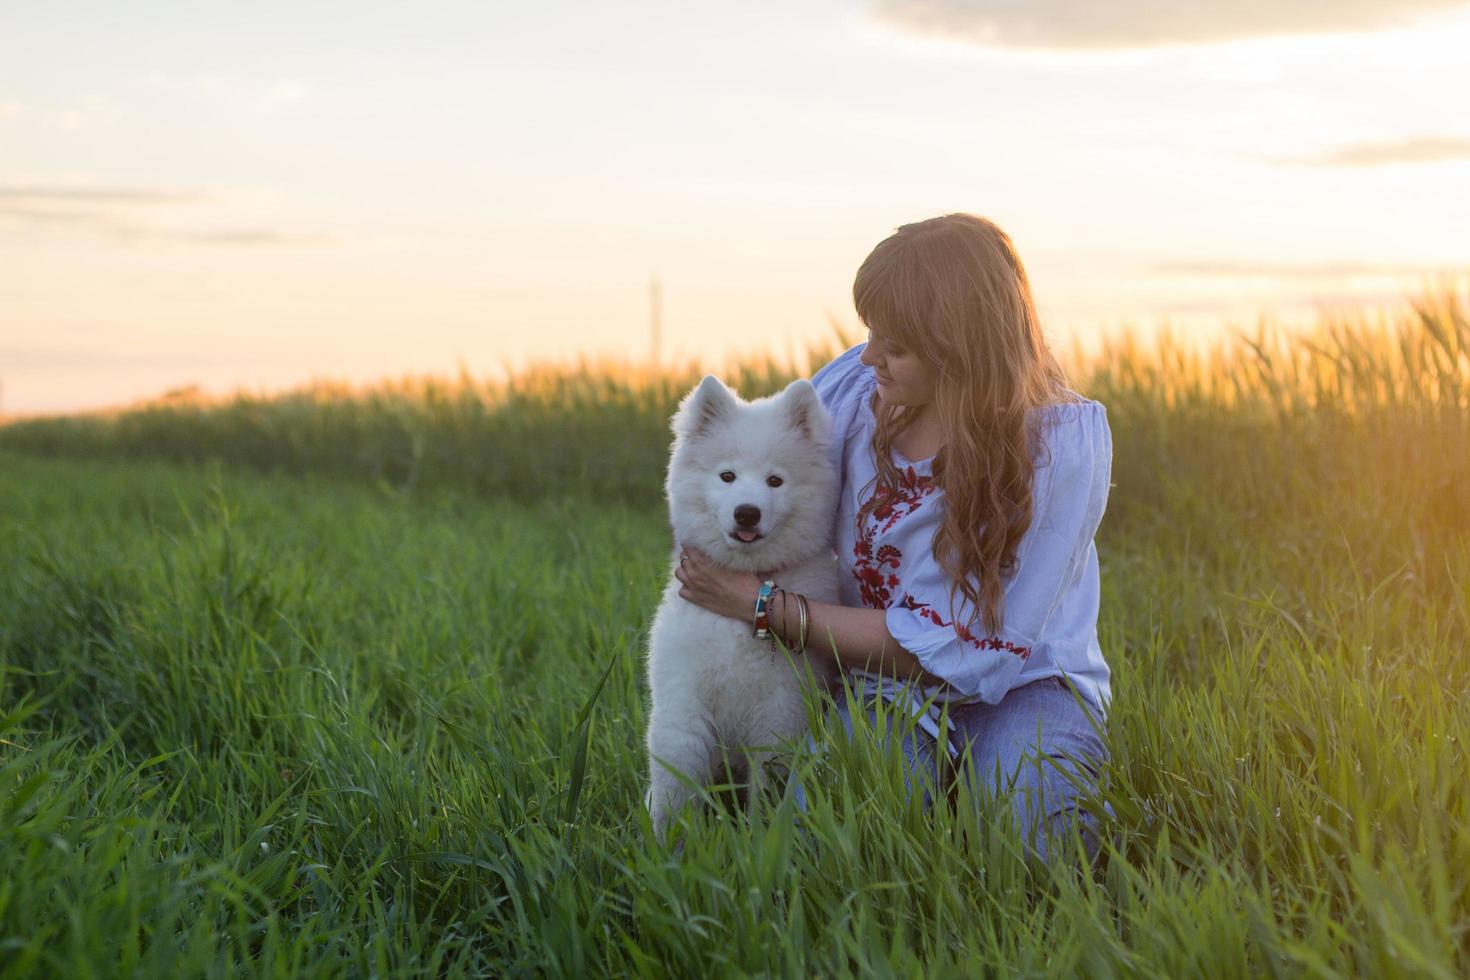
(346, 723)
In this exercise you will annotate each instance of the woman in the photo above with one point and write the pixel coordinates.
(973, 482)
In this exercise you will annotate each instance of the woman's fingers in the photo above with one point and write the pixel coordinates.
(708, 585)
(686, 572)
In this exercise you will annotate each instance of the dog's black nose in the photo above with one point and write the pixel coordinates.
(747, 515)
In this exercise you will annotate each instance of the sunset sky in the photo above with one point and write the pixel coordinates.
(258, 195)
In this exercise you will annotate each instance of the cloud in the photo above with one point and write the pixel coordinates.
(1413, 149)
(108, 225)
(94, 195)
(245, 236)
(1226, 269)
(102, 211)
(1276, 303)
(94, 221)
(61, 358)
(1096, 25)
(240, 92)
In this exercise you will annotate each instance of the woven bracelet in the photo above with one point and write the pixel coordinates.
(762, 620)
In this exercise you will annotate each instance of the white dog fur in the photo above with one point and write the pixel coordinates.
(719, 693)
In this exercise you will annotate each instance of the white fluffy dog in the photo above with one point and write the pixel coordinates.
(751, 485)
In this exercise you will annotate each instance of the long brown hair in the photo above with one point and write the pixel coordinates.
(953, 290)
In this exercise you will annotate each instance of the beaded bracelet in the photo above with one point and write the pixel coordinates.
(762, 620)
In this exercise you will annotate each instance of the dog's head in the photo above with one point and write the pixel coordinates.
(751, 483)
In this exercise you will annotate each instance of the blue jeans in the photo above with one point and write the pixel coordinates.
(1039, 747)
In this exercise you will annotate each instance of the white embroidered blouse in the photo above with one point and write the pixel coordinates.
(1051, 601)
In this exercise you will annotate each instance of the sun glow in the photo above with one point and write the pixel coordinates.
(489, 193)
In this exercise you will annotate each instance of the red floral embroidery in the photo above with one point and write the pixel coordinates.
(873, 581)
(962, 631)
(899, 502)
(876, 566)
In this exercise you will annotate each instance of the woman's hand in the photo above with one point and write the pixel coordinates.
(717, 589)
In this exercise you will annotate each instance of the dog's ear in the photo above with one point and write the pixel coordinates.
(804, 410)
(702, 407)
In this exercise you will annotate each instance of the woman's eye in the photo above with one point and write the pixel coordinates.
(727, 476)
(774, 481)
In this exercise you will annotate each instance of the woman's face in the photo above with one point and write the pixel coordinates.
(903, 376)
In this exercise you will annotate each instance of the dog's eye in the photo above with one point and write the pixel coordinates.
(774, 481)
(728, 476)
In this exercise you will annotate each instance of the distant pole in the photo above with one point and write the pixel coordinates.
(656, 318)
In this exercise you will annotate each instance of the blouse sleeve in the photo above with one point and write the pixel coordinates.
(842, 385)
(1070, 491)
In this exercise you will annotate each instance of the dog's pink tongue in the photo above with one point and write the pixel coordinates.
(746, 536)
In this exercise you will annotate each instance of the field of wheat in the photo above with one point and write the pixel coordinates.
(349, 683)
